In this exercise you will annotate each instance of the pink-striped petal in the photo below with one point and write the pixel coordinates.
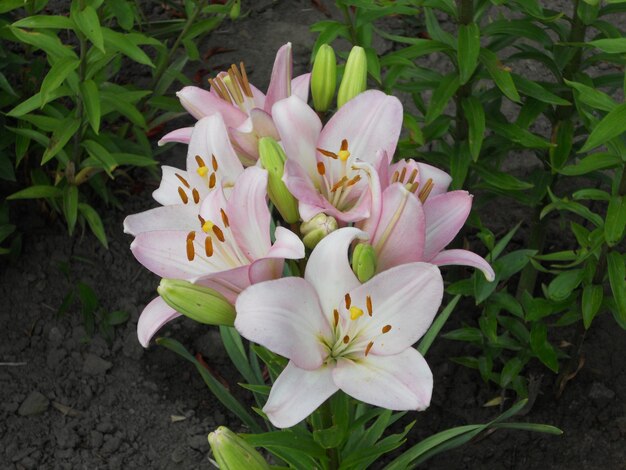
(287, 245)
(174, 217)
(369, 122)
(229, 283)
(404, 301)
(297, 393)
(173, 183)
(399, 382)
(285, 317)
(445, 215)
(299, 128)
(464, 258)
(181, 136)
(280, 83)
(423, 172)
(300, 86)
(156, 314)
(328, 269)
(201, 103)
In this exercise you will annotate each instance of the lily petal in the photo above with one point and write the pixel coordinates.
(399, 382)
(201, 103)
(181, 136)
(280, 83)
(464, 258)
(299, 128)
(445, 215)
(287, 245)
(173, 217)
(156, 314)
(229, 283)
(404, 301)
(369, 122)
(297, 393)
(328, 269)
(172, 183)
(285, 317)
(300, 86)
(440, 179)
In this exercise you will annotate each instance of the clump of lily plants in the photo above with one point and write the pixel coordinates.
(317, 254)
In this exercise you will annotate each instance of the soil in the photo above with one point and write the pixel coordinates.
(73, 400)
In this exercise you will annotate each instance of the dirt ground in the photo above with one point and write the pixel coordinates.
(71, 401)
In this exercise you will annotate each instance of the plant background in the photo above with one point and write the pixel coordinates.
(104, 402)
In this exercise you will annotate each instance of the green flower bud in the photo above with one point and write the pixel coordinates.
(364, 261)
(354, 79)
(235, 10)
(273, 160)
(324, 78)
(199, 303)
(231, 452)
(317, 228)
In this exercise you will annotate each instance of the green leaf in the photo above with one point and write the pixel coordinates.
(91, 101)
(237, 354)
(542, 348)
(593, 162)
(467, 334)
(88, 22)
(94, 222)
(55, 77)
(123, 12)
(591, 302)
(468, 50)
(117, 317)
(535, 90)
(61, 136)
(500, 75)
(101, 154)
(612, 46)
(510, 371)
(563, 136)
(432, 333)
(89, 302)
(45, 21)
(36, 101)
(592, 96)
(501, 180)
(617, 273)
(517, 134)
(44, 40)
(441, 96)
(120, 42)
(612, 125)
(37, 192)
(214, 385)
(562, 286)
(475, 116)
(615, 221)
(70, 206)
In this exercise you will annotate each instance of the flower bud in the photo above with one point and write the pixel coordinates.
(235, 10)
(324, 78)
(317, 228)
(199, 303)
(231, 452)
(354, 79)
(273, 159)
(364, 261)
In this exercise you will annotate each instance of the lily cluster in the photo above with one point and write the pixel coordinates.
(377, 229)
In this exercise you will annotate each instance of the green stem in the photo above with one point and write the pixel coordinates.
(348, 19)
(82, 69)
(326, 415)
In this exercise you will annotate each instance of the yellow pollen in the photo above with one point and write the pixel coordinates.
(343, 155)
(207, 226)
(355, 312)
(202, 171)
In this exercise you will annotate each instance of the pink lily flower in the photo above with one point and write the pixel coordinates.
(341, 335)
(246, 110)
(331, 170)
(224, 244)
(416, 218)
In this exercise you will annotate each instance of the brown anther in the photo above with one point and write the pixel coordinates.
(214, 162)
(201, 219)
(235, 91)
(183, 195)
(244, 80)
(218, 233)
(412, 176)
(386, 329)
(394, 178)
(368, 303)
(414, 186)
(196, 195)
(212, 181)
(348, 301)
(354, 180)
(402, 174)
(208, 246)
(182, 180)
(191, 253)
(191, 236)
(369, 346)
(425, 192)
(321, 169)
(339, 184)
(224, 218)
(344, 145)
(200, 161)
(326, 153)
(221, 90)
(346, 339)
(336, 317)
